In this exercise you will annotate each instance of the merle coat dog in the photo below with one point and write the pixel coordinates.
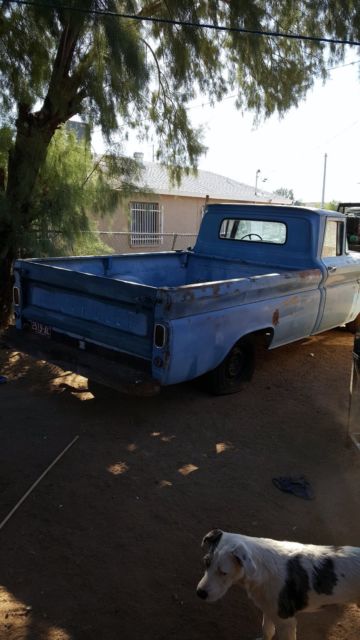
(282, 578)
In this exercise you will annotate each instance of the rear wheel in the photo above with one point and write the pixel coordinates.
(236, 368)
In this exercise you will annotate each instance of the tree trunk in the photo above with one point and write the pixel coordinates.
(6, 284)
(25, 161)
(33, 134)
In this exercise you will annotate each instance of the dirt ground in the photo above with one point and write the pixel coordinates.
(107, 546)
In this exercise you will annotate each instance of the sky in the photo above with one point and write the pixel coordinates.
(288, 152)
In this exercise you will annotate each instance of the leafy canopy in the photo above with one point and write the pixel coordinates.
(285, 193)
(121, 74)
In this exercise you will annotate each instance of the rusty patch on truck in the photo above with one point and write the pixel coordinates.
(166, 359)
(275, 317)
(189, 296)
(167, 302)
(291, 301)
(308, 273)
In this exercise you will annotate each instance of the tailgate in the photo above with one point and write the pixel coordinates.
(96, 309)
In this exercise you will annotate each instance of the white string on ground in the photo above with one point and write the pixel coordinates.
(15, 508)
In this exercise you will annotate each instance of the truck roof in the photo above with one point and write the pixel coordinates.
(271, 209)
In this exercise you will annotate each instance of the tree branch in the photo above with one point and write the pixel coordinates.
(60, 81)
(96, 165)
(156, 62)
(151, 8)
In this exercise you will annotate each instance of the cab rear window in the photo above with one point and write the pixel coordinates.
(253, 230)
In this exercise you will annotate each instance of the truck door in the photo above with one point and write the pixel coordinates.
(342, 280)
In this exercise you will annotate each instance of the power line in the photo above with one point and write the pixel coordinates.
(339, 133)
(196, 25)
(341, 66)
(235, 95)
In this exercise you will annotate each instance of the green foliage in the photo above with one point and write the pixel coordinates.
(71, 185)
(285, 193)
(332, 205)
(329, 206)
(117, 71)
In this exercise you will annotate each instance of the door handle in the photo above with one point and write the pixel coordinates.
(331, 269)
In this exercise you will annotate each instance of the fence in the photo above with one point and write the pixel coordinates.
(100, 242)
(131, 242)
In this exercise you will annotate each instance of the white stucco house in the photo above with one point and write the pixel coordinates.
(168, 210)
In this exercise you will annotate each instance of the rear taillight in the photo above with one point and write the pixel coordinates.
(16, 296)
(160, 336)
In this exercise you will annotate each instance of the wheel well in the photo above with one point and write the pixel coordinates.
(261, 338)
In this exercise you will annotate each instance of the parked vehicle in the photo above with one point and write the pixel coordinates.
(137, 322)
(354, 395)
(352, 212)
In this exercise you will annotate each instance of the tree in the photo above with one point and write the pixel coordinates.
(59, 58)
(72, 184)
(285, 193)
(329, 206)
(332, 205)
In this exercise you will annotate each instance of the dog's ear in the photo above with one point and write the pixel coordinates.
(212, 538)
(242, 555)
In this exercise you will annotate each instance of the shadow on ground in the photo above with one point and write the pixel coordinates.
(108, 544)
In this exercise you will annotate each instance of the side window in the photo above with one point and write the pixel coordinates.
(334, 239)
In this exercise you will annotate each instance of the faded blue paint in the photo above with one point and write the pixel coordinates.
(207, 298)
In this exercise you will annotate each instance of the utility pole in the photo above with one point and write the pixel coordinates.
(256, 180)
(324, 180)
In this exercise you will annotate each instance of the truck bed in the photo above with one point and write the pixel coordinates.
(161, 270)
(114, 301)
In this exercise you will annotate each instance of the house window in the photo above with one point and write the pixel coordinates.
(333, 240)
(146, 224)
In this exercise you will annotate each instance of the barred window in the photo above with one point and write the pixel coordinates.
(146, 224)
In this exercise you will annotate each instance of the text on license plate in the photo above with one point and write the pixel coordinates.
(41, 329)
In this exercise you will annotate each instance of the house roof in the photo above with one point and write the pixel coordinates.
(205, 183)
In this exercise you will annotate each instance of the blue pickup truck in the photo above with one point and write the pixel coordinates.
(136, 322)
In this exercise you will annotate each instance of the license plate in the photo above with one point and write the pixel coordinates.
(41, 329)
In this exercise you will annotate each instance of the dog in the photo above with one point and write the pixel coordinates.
(282, 578)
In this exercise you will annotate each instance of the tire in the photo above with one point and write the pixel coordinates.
(100, 390)
(236, 368)
(354, 325)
